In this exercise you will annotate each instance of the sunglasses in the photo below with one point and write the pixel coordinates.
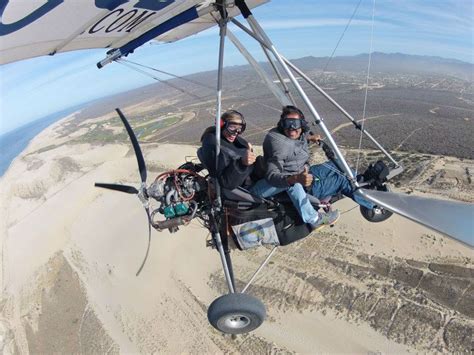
(234, 131)
(292, 124)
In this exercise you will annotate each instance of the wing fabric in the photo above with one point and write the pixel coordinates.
(34, 28)
(454, 219)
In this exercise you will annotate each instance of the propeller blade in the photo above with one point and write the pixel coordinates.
(136, 146)
(149, 241)
(116, 187)
(454, 219)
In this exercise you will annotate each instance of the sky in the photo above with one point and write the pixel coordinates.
(33, 88)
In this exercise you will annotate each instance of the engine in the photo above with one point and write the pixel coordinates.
(180, 194)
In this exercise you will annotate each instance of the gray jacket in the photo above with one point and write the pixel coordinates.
(284, 156)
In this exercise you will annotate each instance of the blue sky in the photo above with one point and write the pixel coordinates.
(33, 88)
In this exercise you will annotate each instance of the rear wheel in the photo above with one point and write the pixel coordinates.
(376, 214)
(236, 313)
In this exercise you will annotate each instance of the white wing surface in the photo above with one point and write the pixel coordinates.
(31, 28)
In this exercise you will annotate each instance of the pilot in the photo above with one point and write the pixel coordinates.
(286, 153)
(236, 160)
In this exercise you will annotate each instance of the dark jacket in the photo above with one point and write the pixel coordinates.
(284, 156)
(230, 171)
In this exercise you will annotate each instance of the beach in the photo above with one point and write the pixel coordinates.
(70, 252)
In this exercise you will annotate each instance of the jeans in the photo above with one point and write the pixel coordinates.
(296, 193)
(327, 181)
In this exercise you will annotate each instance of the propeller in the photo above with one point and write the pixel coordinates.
(122, 188)
(149, 242)
(452, 218)
(136, 146)
(141, 192)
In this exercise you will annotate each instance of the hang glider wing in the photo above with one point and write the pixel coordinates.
(36, 27)
(452, 218)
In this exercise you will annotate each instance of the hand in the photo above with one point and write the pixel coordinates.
(249, 157)
(304, 178)
(314, 138)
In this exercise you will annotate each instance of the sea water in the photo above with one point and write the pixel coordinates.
(14, 142)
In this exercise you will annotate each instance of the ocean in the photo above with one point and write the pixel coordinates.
(14, 142)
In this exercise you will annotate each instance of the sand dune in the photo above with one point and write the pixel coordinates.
(70, 252)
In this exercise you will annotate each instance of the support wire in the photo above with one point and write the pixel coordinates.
(341, 37)
(366, 88)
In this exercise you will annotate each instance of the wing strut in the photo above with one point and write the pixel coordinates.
(279, 94)
(258, 31)
(218, 203)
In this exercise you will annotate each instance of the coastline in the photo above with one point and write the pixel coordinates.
(30, 130)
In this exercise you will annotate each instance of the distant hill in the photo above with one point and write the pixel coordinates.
(396, 63)
(236, 76)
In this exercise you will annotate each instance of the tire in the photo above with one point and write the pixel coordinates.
(236, 313)
(375, 215)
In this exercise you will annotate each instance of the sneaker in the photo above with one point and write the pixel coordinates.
(325, 219)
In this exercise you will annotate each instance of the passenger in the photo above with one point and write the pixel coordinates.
(286, 153)
(236, 161)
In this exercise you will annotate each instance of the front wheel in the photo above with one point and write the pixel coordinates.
(236, 313)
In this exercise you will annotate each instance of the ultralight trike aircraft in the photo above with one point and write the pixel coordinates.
(178, 196)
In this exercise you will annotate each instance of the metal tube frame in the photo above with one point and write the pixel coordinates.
(270, 60)
(218, 207)
(276, 90)
(278, 74)
(259, 269)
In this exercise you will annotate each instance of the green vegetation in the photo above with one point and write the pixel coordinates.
(149, 128)
(100, 135)
(44, 149)
(105, 132)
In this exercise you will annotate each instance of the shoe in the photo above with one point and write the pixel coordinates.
(325, 219)
(360, 178)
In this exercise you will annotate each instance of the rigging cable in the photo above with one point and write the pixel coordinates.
(168, 73)
(366, 88)
(340, 38)
(190, 81)
(128, 63)
(166, 82)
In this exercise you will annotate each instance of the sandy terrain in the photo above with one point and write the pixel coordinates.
(70, 253)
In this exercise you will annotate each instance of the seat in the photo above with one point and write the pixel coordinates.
(283, 197)
(240, 194)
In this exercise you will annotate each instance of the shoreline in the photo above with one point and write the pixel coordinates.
(28, 143)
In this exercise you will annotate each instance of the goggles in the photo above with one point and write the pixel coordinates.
(292, 124)
(234, 131)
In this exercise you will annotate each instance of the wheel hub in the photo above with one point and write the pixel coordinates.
(236, 321)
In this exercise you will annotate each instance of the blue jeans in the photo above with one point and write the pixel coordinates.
(296, 193)
(329, 181)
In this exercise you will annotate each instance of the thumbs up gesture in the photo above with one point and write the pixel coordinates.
(249, 157)
(305, 178)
